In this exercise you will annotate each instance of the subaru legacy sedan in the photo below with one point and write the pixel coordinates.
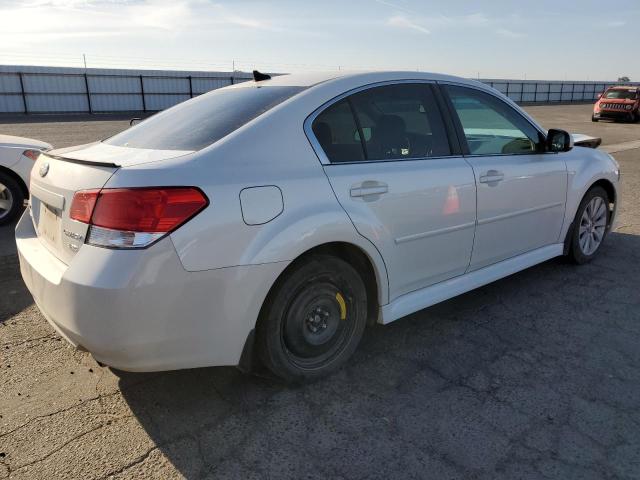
(269, 222)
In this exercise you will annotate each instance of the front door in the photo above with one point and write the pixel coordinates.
(521, 189)
(390, 165)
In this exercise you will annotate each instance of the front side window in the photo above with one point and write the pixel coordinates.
(201, 121)
(492, 127)
(391, 122)
(622, 93)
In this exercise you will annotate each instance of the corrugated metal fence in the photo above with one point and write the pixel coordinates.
(543, 91)
(58, 89)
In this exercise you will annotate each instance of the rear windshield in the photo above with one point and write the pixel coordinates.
(201, 121)
(622, 94)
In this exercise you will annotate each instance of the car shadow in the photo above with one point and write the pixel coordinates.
(453, 387)
(14, 294)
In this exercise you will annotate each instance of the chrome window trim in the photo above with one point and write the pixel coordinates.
(317, 148)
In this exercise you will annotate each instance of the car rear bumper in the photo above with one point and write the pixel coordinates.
(140, 310)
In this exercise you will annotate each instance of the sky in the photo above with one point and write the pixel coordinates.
(545, 39)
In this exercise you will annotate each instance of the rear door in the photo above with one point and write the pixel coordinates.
(521, 190)
(386, 153)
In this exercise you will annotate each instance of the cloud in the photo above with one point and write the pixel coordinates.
(33, 22)
(395, 6)
(509, 33)
(428, 24)
(615, 24)
(476, 19)
(401, 21)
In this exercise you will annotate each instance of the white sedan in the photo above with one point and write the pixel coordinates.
(273, 220)
(17, 155)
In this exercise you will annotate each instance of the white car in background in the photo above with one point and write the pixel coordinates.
(281, 216)
(17, 156)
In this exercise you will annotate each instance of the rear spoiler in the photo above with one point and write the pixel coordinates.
(580, 140)
(84, 162)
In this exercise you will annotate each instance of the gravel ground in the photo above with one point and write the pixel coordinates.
(534, 376)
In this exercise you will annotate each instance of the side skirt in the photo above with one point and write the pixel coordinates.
(425, 297)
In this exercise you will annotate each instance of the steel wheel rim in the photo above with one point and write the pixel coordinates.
(300, 350)
(593, 224)
(6, 200)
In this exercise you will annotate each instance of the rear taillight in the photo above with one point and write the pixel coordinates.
(32, 154)
(82, 205)
(135, 217)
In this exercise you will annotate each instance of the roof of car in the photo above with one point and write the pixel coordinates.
(624, 87)
(313, 78)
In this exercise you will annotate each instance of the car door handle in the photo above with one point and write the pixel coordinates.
(369, 188)
(492, 176)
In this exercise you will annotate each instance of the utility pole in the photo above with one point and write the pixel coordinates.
(84, 59)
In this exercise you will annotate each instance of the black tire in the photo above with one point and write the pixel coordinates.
(313, 319)
(576, 253)
(10, 192)
(593, 119)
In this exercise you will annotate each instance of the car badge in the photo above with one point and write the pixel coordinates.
(44, 169)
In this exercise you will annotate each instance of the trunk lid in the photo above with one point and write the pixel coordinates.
(58, 174)
(53, 184)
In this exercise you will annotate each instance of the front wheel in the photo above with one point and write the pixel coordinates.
(593, 118)
(313, 320)
(590, 226)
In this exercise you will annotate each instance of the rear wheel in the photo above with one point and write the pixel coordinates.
(11, 199)
(590, 226)
(313, 320)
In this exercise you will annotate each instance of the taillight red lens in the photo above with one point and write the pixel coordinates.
(156, 209)
(82, 205)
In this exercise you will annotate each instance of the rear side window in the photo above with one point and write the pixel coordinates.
(204, 120)
(400, 121)
(391, 122)
(336, 130)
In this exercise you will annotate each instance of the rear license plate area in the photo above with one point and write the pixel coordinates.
(49, 222)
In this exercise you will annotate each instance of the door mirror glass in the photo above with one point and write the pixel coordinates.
(559, 141)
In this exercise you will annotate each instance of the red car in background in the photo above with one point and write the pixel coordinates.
(618, 103)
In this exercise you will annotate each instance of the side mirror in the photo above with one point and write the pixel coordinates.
(559, 141)
(599, 96)
(134, 121)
